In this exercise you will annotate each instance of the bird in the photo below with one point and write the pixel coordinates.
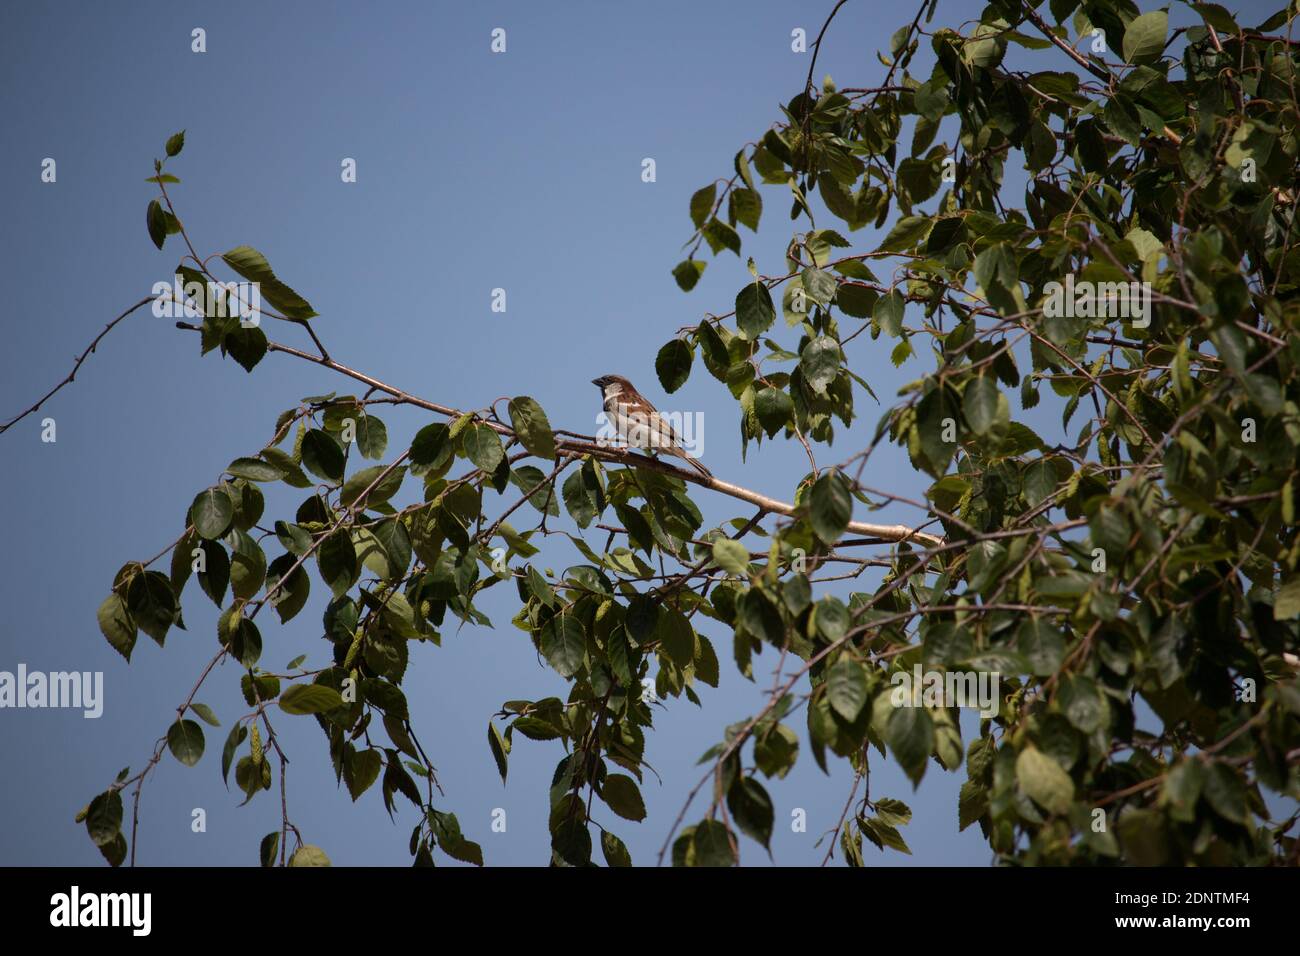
(638, 423)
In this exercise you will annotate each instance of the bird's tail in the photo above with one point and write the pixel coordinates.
(697, 465)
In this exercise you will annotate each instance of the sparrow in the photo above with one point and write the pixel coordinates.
(638, 423)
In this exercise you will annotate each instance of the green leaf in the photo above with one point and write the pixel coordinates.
(364, 767)
(1225, 792)
(268, 848)
(175, 143)
(614, 849)
(238, 733)
(116, 625)
(254, 469)
(532, 427)
(894, 812)
(746, 207)
(888, 313)
(156, 220)
(980, 403)
(581, 496)
(205, 714)
(910, 735)
(711, 845)
(1182, 788)
(247, 346)
(308, 855)
(907, 232)
(884, 834)
(755, 312)
(1083, 703)
(337, 561)
(384, 488)
(1043, 780)
(1286, 603)
(856, 299)
(104, 817)
(211, 513)
(1217, 17)
(831, 506)
(500, 748)
(751, 809)
(322, 455)
(372, 437)
(846, 688)
(152, 604)
(732, 557)
(774, 409)
(185, 741)
(310, 699)
(431, 446)
(1042, 644)
(252, 265)
(673, 364)
(702, 202)
(676, 637)
(483, 447)
(721, 236)
(621, 793)
(820, 362)
(244, 641)
(564, 644)
(1144, 37)
(688, 272)
(293, 592)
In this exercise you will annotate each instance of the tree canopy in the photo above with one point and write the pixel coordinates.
(1081, 206)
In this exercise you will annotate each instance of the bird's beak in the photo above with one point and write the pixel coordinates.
(597, 382)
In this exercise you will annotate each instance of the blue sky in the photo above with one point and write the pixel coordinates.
(475, 171)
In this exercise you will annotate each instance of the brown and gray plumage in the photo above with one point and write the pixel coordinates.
(638, 423)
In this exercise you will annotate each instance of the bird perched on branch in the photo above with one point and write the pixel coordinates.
(639, 424)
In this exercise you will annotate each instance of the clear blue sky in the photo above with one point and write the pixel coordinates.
(476, 171)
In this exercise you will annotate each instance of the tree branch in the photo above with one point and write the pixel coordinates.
(892, 533)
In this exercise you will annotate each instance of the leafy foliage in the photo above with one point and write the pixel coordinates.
(1141, 564)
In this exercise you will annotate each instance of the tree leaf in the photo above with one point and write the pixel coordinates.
(117, 626)
(1044, 781)
(185, 741)
(483, 447)
(751, 809)
(846, 688)
(624, 798)
(755, 312)
(532, 427)
(104, 817)
(564, 644)
(211, 513)
(711, 844)
(732, 557)
(673, 364)
(820, 362)
(310, 699)
(831, 506)
(156, 220)
(322, 455)
(252, 265)
(1144, 37)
